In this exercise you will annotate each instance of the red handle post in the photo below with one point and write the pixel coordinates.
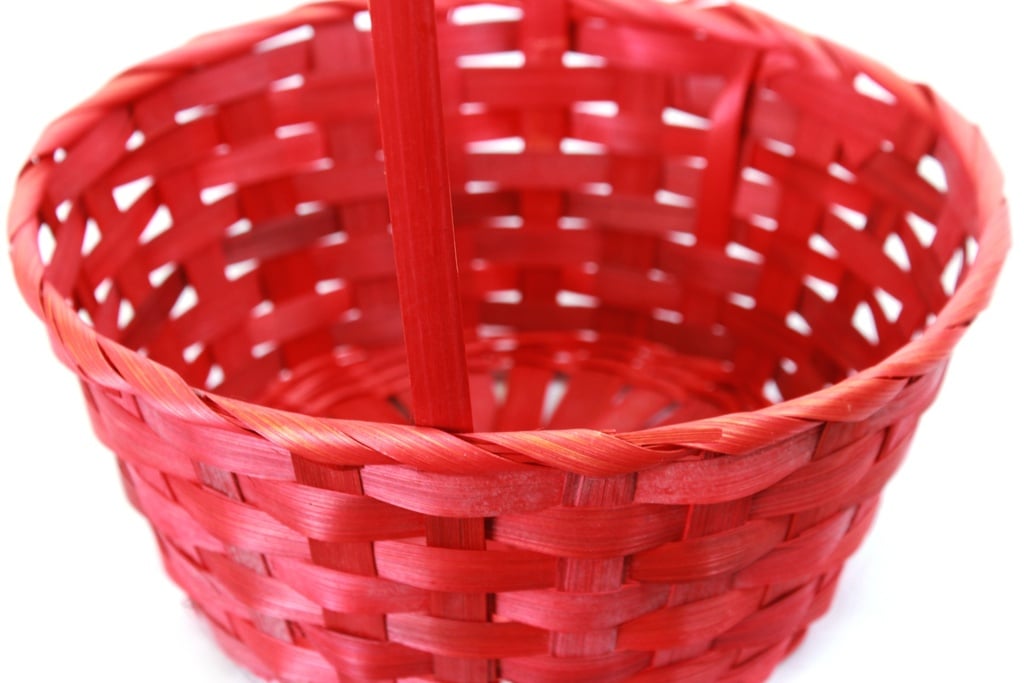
(419, 193)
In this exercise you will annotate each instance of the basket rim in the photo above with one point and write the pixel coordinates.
(607, 453)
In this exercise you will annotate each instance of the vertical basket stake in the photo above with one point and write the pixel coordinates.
(404, 38)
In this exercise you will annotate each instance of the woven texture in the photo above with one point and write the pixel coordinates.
(712, 271)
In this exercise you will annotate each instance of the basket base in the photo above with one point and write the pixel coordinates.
(539, 380)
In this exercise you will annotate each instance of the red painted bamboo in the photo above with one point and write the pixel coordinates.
(686, 404)
(419, 194)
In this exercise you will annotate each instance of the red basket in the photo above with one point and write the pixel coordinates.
(711, 273)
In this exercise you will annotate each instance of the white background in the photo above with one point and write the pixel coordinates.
(934, 595)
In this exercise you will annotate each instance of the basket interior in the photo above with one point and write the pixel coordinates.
(653, 224)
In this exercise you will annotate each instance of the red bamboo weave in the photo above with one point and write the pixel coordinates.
(711, 272)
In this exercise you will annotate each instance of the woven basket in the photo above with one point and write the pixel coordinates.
(711, 273)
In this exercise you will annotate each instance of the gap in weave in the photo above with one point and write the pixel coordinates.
(766, 223)
(554, 392)
(510, 59)
(63, 210)
(826, 290)
(505, 344)
(509, 145)
(194, 113)
(869, 87)
(506, 222)
(125, 313)
(127, 194)
(658, 275)
(211, 195)
(771, 391)
(187, 300)
(620, 395)
(239, 227)
(401, 408)
(925, 231)
(569, 223)
(662, 416)
(293, 82)
(779, 147)
(603, 108)
(756, 176)
(582, 60)
(329, 286)
(822, 246)
(598, 189)
(481, 187)
(855, 219)
(236, 271)
(135, 141)
(484, 13)
(322, 164)
(798, 324)
(570, 299)
(696, 162)
(102, 290)
(667, 316)
(293, 36)
(294, 130)
(472, 108)
(669, 198)
(741, 252)
(952, 272)
(744, 301)
(215, 377)
(890, 305)
(679, 118)
(840, 172)
(192, 352)
(971, 249)
(583, 147)
(864, 322)
(504, 296)
(933, 173)
(263, 349)
(309, 208)
(333, 239)
(362, 22)
(158, 224)
(46, 243)
(896, 250)
(486, 331)
(499, 387)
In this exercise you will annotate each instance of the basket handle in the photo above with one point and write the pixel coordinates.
(404, 37)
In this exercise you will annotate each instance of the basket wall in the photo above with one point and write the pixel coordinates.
(712, 273)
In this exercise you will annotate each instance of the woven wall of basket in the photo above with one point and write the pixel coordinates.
(709, 272)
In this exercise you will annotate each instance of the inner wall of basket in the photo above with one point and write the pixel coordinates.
(644, 236)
